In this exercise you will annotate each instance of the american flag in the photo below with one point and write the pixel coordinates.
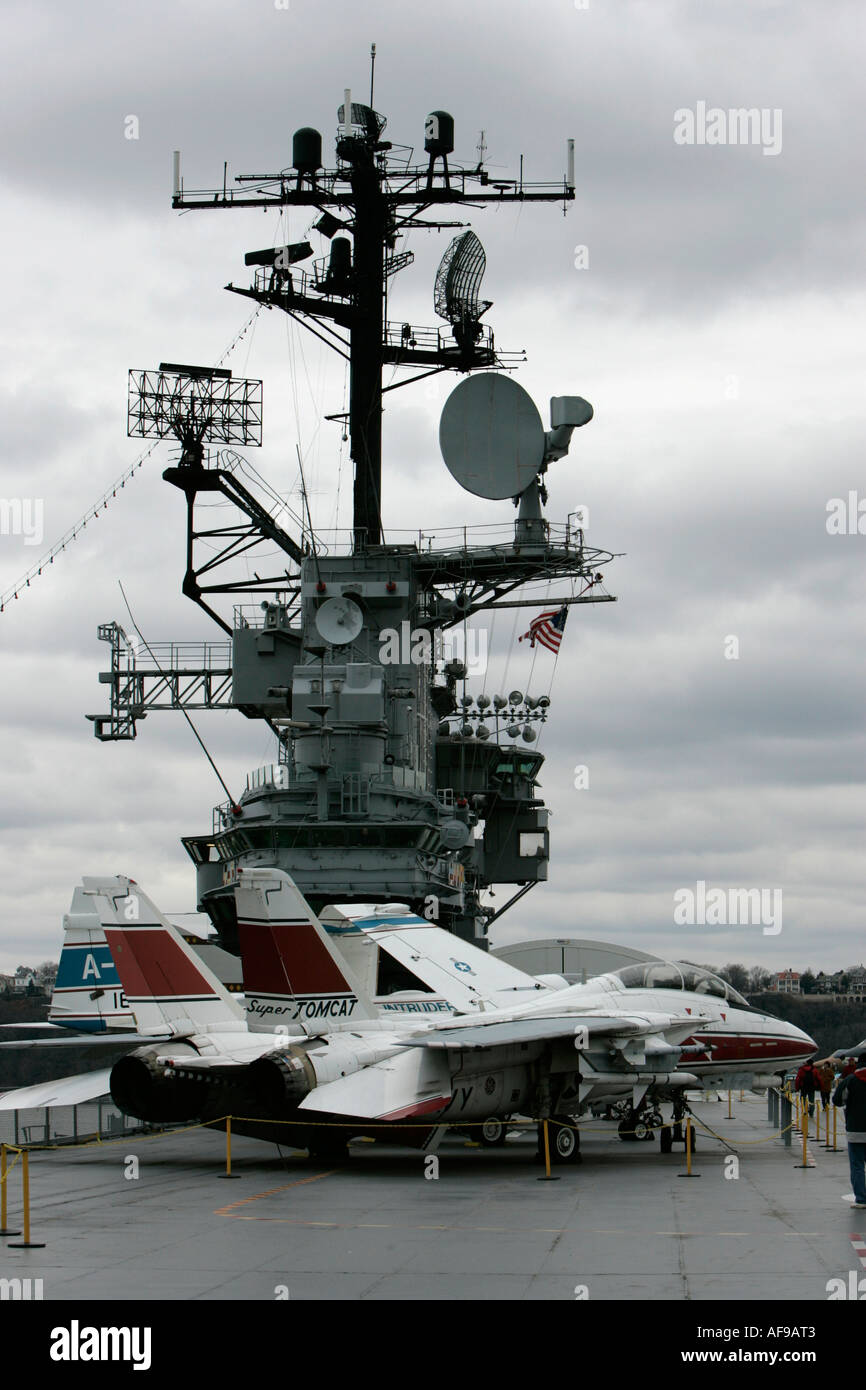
(547, 629)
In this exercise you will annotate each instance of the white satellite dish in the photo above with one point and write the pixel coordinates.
(339, 621)
(491, 436)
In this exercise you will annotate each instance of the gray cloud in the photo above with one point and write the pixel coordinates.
(716, 332)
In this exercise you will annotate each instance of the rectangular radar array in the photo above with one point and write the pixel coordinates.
(225, 409)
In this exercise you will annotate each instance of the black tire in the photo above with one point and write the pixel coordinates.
(666, 1140)
(626, 1128)
(493, 1133)
(564, 1142)
(642, 1130)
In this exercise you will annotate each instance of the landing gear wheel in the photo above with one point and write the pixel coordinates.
(564, 1142)
(626, 1129)
(493, 1133)
(666, 1140)
(642, 1130)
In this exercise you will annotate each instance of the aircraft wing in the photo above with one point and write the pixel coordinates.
(68, 1039)
(40, 1027)
(67, 1090)
(479, 1034)
(407, 1086)
(470, 980)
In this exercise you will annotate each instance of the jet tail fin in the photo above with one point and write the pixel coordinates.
(167, 986)
(292, 972)
(88, 995)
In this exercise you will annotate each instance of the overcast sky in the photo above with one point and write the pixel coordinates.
(717, 330)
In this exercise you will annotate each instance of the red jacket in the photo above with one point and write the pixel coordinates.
(806, 1080)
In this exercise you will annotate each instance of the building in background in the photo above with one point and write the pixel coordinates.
(786, 982)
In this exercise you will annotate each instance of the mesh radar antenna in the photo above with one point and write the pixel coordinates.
(455, 294)
(199, 406)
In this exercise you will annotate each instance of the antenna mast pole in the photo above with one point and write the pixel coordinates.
(366, 339)
(379, 212)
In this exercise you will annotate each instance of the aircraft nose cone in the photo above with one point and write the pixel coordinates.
(805, 1045)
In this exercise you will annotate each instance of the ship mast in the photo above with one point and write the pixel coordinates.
(389, 785)
(382, 197)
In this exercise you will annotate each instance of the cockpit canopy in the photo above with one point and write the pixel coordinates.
(665, 974)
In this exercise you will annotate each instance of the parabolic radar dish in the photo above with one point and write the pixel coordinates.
(339, 621)
(491, 436)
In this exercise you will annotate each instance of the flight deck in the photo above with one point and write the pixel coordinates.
(625, 1224)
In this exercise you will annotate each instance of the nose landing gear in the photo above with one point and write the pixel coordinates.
(640, 1124)
(675, 1133)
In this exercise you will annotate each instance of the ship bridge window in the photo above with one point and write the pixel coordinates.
(516, 769)
(531, 844)
(229, 846)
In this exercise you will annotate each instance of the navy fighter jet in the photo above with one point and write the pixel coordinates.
(336, 1068)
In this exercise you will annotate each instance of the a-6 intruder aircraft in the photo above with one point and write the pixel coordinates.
(516, 1045)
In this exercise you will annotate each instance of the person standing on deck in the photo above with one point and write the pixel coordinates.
(825, 1075)
(806, 1083)
(851, 1092)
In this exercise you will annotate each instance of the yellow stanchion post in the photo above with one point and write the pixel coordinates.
(228, 1172)
(547, 1176)
(26, 1243)
(834, 1145)
(742, 1095)
(730, 1116)
(688, 1173)
(4, 1175)
(805, 1163)
(817, 1119)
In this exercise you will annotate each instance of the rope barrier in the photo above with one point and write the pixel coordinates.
(22, 1153)
(388, 1125)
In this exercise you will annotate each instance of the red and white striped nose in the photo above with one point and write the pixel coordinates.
(802, 1045)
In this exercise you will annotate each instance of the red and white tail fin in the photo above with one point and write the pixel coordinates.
(292, 973)
(167, 986)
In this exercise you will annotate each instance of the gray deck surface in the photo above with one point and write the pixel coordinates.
(623, 1223)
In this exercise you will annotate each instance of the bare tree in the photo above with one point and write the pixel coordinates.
(736, 975)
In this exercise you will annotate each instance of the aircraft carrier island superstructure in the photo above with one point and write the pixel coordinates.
(390, 779)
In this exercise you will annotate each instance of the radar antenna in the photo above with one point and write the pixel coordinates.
(455, 294)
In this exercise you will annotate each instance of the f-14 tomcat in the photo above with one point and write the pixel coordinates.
(336, 1068)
